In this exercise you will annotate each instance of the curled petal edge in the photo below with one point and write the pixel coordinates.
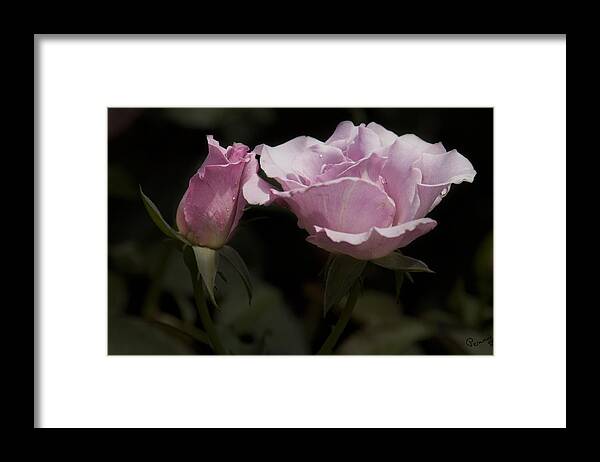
(375, 243)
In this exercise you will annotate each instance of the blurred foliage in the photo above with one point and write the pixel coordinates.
(151, 309)
(268, 326)
(466, 324)
(383, 328)
(133, 336)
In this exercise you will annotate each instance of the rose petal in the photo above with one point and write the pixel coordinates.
(368, 169)
(429, 197)
(451, 167)
(400, 180)
(254, 188)
(332, 171)
(400, 175)
(277, 165)
(364, 144)
(239, 206)
(216, 154)
(350, 205)
(344, 134)
(386, 136)
(375, 243)
(439, 171)
(413, 147)
(208, 210)
(297, 162)
(236, 152)
(310, 161)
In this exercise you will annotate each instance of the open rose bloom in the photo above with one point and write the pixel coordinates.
(365, 191)
(212, 206)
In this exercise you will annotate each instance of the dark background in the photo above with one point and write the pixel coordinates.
(151, 309)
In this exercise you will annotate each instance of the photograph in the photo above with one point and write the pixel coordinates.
(296, 231)
(300, 231)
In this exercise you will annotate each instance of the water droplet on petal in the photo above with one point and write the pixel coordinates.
(444, 192)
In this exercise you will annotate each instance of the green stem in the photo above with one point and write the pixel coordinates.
(202, 306)
(337, 331)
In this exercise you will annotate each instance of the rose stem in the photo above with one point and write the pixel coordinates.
(209, 327)
(335, 334)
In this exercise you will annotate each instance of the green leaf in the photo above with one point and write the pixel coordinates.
(222, 276)
(399, 278)
(158, 219)
(396, 261)
(205, 261)
(234, 258)
(342, 273)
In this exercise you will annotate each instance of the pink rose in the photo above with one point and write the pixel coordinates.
(365, 191)
(212, 206)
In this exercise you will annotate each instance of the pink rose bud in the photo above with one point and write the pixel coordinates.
(212, 206)
(365, 191)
